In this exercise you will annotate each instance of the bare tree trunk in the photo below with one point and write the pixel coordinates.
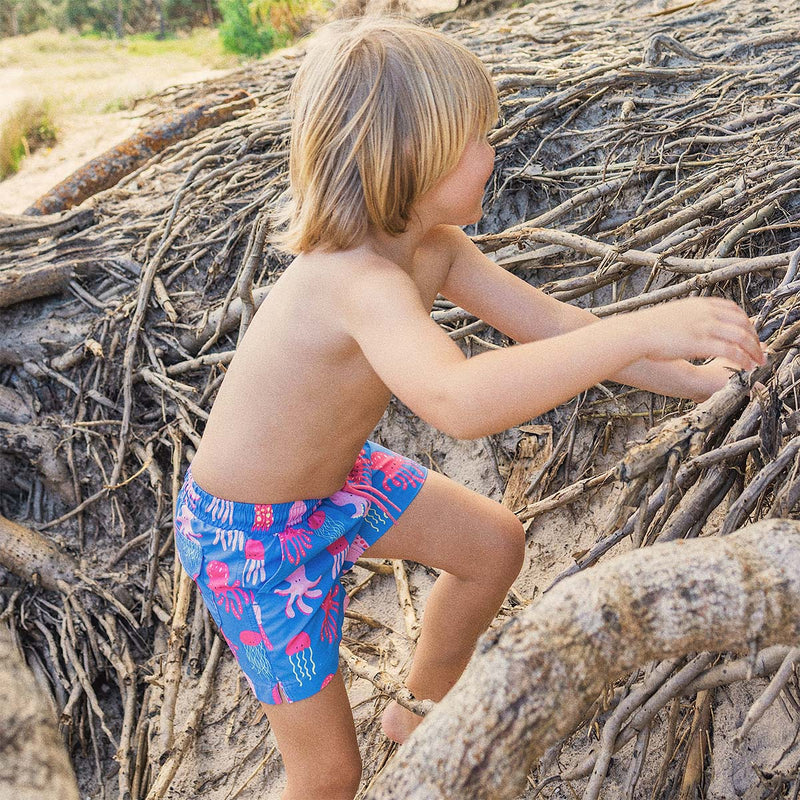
(33, 761)
(531, 683)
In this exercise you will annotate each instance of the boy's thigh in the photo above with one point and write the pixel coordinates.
(317, 739)
(450, 527)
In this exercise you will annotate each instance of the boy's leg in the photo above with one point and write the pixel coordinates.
(317, 741)
(480, 546)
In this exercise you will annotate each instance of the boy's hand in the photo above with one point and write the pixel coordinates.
(698, 327)
(712, 377)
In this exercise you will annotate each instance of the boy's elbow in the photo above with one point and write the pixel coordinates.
(456, 416)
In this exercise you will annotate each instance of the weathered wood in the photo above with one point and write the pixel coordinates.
(34, 764)
(19, 229)
(530, 683)
(13, 408)
(38, 339)
(107, 169)
(533, 450)
(33, 557)
(39, 446)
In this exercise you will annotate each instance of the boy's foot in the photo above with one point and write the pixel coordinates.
(398, 722)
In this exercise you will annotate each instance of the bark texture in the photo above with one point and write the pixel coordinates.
(34, 764)
(530, 684)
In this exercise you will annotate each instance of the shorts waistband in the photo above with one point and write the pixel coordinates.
(235, 515)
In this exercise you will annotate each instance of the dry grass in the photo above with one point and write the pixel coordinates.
(92, 75)
(26, 128)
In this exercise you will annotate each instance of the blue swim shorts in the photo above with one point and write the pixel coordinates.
(270, 573)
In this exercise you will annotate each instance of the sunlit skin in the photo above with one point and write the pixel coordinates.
(339, 333)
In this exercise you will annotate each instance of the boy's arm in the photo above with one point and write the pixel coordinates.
(492, 391)
(526, 314)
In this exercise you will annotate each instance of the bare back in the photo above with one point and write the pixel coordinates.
(299, 398)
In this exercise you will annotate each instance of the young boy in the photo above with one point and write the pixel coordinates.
(389, 158)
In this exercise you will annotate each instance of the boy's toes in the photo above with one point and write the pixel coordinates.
(398, 722)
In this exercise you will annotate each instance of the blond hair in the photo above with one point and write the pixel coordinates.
(382, 110)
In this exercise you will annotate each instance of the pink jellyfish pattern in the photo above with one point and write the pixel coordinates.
(316, 519)
(221, 510)
(330, 606)
(356, 550)
(328, 528)
(337, 551)
(229, 538)
(300, 587)
(359, 491)
(399, 471)
(263, 517)
(296, 512)
(254, 571)
(259, 636)
(228, 593)
(301, 657)
(256, 653)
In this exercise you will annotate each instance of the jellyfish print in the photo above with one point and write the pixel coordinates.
(301, 657)
(327, 527)
(316, 519)
(190, 554)
(263, 517)
(221, 510)
(256, 654)
(229, 538)
(337, 551)
(296, 512)
(254, 562)
(356, 550)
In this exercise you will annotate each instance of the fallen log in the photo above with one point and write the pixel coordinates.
(19, 229)
(531, 682)
(107, 169)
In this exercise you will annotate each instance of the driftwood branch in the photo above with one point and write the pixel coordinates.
(530, 683)
(107, 169)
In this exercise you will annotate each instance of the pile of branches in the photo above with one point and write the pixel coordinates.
(645, 152)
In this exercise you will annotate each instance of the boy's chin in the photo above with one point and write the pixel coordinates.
(469, 219)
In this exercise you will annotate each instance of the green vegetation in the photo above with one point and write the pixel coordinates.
(29, 126)
(254, 27)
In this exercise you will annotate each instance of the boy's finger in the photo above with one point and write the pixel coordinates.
(742, 339)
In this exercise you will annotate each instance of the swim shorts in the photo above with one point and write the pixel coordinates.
(270, 573)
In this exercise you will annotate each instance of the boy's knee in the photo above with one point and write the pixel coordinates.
(510, 547)
(339, 784)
